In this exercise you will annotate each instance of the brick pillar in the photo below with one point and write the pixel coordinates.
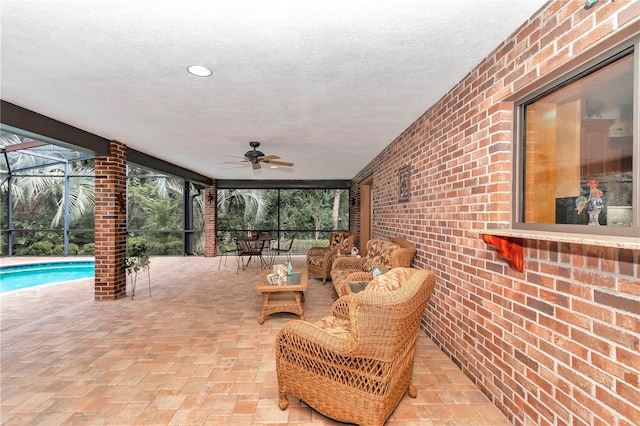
(110, 223)
(210, 222)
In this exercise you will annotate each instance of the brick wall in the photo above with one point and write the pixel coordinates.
(558, 344)
(110, 223)
(210, 222)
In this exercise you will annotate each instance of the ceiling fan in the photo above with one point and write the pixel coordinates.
(256, 157)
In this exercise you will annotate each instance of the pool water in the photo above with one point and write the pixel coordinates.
(17, 277)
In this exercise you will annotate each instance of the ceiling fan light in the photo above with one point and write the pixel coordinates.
(199, 70)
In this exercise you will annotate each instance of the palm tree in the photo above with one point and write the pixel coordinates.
(81, 197)
(38, 179)
(46, 182)
(35, 179)
(256, 205)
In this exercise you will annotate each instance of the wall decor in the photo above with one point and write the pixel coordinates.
(403, 184)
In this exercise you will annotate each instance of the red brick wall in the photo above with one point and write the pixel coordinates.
(110, 223)
(558, 344)
(210, 223)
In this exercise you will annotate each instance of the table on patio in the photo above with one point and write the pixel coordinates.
(253, 248)
(277, 297)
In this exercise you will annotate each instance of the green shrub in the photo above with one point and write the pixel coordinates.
(172, 248)
(88, 249)
(40, 248)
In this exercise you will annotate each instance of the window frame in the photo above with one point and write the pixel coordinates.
(593, 61)
(282, 233)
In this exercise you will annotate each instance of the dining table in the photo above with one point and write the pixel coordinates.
(253, 248)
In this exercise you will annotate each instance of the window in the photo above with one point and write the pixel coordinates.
(578, 149)
(308, 214)
(157, 214)
(46, 198)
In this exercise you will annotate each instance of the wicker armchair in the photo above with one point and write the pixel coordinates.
(355, 365)
(320, 259)
(393, 253)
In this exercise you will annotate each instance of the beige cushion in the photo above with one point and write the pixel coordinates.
(336, 326)
(379, 253)
(340, 242)
(339, 275)
(315, 260)
(344, 246)
(390, 281)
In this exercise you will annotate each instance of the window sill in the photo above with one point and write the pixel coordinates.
(631, 243)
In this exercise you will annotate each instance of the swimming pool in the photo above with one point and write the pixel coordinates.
(16, 277)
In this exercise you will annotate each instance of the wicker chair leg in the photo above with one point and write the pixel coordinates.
(283, 402)
(412, 391)
(334, 293)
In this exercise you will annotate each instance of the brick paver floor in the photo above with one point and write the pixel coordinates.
(192, 353)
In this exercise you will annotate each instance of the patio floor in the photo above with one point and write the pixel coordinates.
(192, 353)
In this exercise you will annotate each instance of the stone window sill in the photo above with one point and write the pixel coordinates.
(561, 237)
(509, 242)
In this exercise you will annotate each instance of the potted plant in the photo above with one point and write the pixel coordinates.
(136, 260)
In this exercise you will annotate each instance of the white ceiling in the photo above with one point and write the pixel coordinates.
(326, 84)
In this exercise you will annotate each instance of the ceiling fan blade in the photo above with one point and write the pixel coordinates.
(256, 165)
(279, 163)
(268, 157)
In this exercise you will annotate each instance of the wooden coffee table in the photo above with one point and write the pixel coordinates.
(282, 297)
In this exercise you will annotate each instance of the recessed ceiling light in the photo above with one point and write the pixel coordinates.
(199, 70)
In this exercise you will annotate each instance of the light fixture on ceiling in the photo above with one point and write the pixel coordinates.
(199, 70)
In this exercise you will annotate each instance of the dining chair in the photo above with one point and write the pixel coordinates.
(226, 250)
(285, 250)
(250, 248)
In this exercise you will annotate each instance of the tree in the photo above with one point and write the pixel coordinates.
(242, 208)
(81, 197)
(36, 180)
(336, 209)
(155, 203)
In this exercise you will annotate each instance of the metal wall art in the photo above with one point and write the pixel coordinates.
(404, 188)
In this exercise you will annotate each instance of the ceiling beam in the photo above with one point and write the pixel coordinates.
(282, 184)
(32, 124)
(146, 160)
(25, 122)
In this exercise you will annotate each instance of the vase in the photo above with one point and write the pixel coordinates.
(594, 203)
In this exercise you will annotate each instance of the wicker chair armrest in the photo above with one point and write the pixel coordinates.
(328, 259)
(340, 308)
(354, 277)
(317, 251)
(359, 276)
(348, 262)
(297, 332)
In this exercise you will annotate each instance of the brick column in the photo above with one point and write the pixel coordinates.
(110, 223)
(210, 222)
